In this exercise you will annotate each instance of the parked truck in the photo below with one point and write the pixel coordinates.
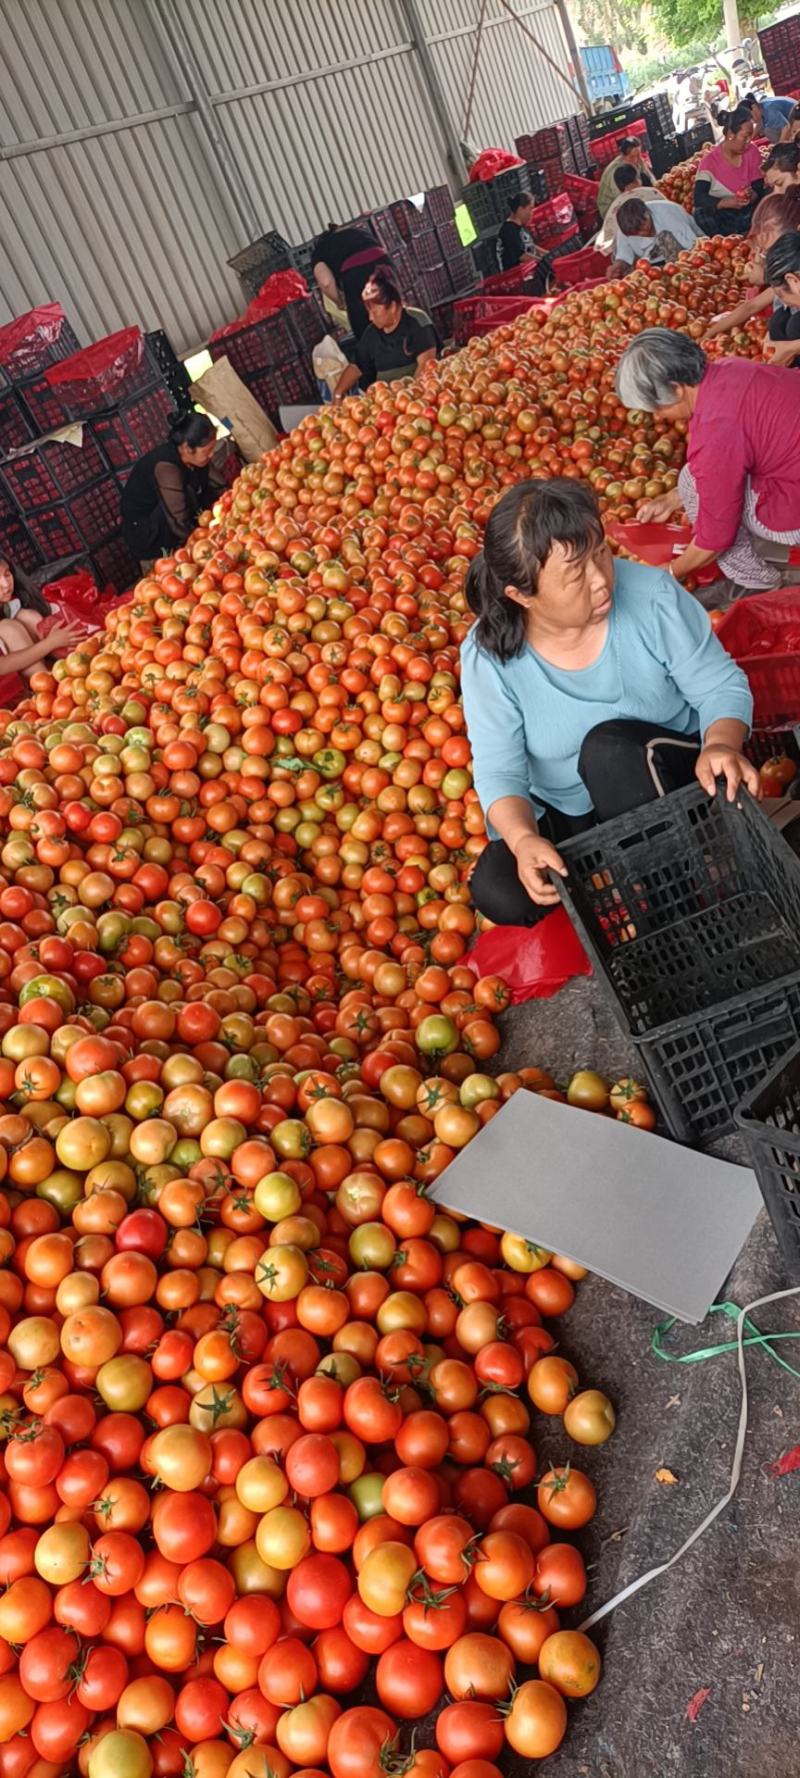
(605, 76)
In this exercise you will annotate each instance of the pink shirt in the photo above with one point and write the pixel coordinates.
(733, 178)
(745, 426)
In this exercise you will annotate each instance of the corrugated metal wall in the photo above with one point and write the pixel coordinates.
(128, 225)
(114, 200)
(515, 89)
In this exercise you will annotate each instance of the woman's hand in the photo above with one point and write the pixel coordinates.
(781, 351)
(656, 512)
(64, 635)
(719, 324)
(718, 761)
(535, 858)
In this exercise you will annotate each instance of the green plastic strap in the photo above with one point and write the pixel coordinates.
(752, 1337)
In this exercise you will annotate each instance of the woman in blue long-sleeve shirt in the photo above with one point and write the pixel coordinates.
(590, 687)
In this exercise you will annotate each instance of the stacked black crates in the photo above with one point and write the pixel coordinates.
(780, 47)
(273, 357)
(60, 501)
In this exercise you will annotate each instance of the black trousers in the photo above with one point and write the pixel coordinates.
(623, 765)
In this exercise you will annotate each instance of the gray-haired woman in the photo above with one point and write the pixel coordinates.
(741, 480)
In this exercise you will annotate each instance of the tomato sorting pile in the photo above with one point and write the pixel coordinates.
(264, 1409)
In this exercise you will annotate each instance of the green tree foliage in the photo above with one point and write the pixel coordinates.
(618, 22)
(683, 21)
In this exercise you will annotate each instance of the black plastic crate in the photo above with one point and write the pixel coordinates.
(382, 225)
(32, 356)
(460, 268)
(29, 481)
(307, 323)
(116, 440)
(439, 204)
(261, 384)
(694, 139)
(764, 743)
(770, 1119)
(305, 260)
(484, 255)
(44, 409)
(408, 219)
(665, 154)
(427, 251)
(689, 908)
(55, 532)
(449, 239)
(96, 511)
(443, 320)
(53, 471)
(294, 383)
(254, 264)
(112, 564)
(482, 206)
(404, 267)
(433, 286)
(18, 545)
(543, 144)
(171, 367)
(256, 348)
(147, 419)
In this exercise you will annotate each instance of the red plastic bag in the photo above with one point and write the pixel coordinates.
(276, 293)
(23, 339)
(491, 162)
(96, 377)
(534, 961)
(76, 599)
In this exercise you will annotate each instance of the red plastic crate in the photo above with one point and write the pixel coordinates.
(606, 148)
(428, 251)
(479, 315)
(576, 268)
(511, 283)
(763, 635)
(551, 218)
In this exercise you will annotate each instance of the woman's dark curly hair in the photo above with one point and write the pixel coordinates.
(520, 534)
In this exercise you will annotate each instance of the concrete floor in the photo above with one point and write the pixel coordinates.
(727, 1617)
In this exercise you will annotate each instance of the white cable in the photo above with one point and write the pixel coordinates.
(736, 1470)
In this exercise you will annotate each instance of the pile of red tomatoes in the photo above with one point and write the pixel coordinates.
(265, 1408)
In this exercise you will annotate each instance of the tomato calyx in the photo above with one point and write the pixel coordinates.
(556, 1480)
(420, 1592)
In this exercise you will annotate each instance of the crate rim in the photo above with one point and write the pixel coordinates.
(661, 1033)
(745, 1118)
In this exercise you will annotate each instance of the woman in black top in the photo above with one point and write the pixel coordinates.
(514, 243)
(397, 342)
(167, 489)
(344, 260)
(782, 268)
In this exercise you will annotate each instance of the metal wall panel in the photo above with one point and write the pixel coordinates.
(516, 90)
(342, 122)
(113, 198)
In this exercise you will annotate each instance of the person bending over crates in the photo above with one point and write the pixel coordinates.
(591, 686)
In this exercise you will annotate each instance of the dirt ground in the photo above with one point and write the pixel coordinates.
(725, 1621)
